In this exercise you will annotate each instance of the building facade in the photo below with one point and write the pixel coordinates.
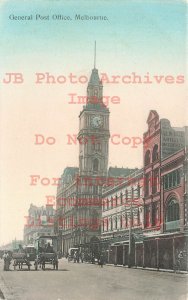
(165, 195)
(159, 233)
(78, 215)
(40, 221)
(122, 212)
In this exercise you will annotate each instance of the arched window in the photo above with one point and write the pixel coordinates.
(95, 165)
(115, 223)
(103, 205)
(126, 220)
(147, 158)
(172, 211)
(126, 194)
(95, 190)
(121, 198)
(103, 225)
(155, 153)
(111, 223)
(107, 224)
(121, 221)
(147, 184)
(111, 203)
(132, 193)
(105, 221)
(138, 217)
(147, 216)
(155, 184)
(116, 200)
(107, 203)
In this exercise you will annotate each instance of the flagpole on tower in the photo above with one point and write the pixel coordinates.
(95, 55)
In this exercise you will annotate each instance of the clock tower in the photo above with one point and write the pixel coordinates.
(94, 132)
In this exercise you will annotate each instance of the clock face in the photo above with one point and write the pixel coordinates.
(96, 121)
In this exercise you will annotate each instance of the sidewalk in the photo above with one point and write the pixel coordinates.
(1, 295)
(5, 291)
(141, 268)
(149, 269)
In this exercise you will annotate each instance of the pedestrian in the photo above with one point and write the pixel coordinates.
(101, 261)
(77, 257)
(7, 260)
(74, 256)
(93, 259)
(82, 257)
(180, 260)
(49, 248)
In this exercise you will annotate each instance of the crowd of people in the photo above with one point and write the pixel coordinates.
(78, 256)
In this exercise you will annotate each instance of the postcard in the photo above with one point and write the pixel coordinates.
(94, 140)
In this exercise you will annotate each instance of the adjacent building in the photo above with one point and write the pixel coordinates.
(123, 211)
(145, 217)
(40, 221)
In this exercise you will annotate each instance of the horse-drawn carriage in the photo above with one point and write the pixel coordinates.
(20, 259)
(31, 252)
(23, 256)
(72, 254)
(46, 247)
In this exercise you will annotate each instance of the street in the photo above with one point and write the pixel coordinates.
(83, 281)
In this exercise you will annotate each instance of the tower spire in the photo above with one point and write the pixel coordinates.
(95, 55)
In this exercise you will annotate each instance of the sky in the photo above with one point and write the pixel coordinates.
(140, 37)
